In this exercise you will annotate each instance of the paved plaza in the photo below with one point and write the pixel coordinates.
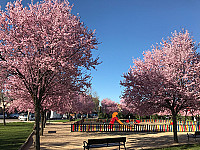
(64, 139)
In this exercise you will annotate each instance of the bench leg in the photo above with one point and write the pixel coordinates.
(195, 137)
(124, 146)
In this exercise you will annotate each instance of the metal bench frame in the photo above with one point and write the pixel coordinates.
(106, 142)
(195, 135)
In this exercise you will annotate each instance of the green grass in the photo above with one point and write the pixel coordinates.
(14, 134)
(181, 147)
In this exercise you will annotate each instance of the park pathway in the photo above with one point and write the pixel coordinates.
(64, 139)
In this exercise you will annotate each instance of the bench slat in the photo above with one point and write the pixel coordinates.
(197, 133)
(104, 145)
(96, 141)
(106, 142)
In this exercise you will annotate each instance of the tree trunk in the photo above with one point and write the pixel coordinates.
(45, 118)
(4, 117)
(37, 124)
(175, 128)
(198, 122)
(42, 122)
(28, 116)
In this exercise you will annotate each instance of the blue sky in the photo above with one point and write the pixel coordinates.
(126, 28)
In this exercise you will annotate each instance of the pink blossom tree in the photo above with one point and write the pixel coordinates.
(164, 79)
(46, 50)
(108, 106)
(87, 104)
(58, 104)
(125, 108)
(74, 102)
(69, 103)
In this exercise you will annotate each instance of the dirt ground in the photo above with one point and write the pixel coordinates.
(64, 139)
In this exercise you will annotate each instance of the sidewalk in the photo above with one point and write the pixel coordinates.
(64, 139)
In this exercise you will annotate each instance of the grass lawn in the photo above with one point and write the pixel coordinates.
(181, 147)
(14, 134)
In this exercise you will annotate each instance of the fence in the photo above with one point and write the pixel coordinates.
(131, 128)
(142, 120)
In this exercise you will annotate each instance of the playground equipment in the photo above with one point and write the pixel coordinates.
(114, 118)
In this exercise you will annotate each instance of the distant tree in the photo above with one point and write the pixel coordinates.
(96, 101)
(95, 98)
(108, 106)
(46, 51)
(165, 78)
(75, 102)
(87, 104)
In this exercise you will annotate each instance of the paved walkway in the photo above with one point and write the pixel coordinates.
(10, 120)
(64, 139)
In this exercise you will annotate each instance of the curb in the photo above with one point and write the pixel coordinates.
(28, 142)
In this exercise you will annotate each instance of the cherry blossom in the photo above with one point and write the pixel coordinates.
(108, 106)
(164, 80)
(47, 52)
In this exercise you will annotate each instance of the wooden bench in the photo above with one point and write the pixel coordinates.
(107, 142)
(195, 135)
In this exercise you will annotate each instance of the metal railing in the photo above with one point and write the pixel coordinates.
(131, 128)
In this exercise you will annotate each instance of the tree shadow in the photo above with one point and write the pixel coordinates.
(135, 140)
(158, 142)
